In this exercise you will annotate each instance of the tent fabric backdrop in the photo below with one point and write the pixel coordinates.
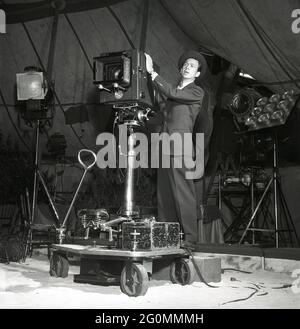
(254, 35)
(99, 31)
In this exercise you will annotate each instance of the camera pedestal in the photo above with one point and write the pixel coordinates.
(129, 209)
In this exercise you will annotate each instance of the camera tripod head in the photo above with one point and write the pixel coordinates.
(132, 114)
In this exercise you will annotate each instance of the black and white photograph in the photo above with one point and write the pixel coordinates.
(149, 158)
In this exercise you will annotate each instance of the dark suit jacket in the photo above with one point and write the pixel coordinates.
(180, 111)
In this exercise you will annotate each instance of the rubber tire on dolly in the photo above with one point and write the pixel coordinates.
(134, 280)
(182, 271)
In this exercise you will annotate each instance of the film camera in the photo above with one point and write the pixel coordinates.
(122, 78)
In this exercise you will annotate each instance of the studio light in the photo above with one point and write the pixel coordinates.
(274, 111)
(257, 112)
(35, 93)
(243, 103)
(31, 85)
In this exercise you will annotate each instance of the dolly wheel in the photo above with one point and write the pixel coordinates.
(134, 280)
(59, 265)
(182, 271)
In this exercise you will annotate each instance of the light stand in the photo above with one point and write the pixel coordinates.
(279, 202)
(265, 113)
(38, 177)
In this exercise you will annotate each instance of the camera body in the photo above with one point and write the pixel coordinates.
(122, 78)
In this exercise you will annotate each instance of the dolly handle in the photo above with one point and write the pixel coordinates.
(85, 166)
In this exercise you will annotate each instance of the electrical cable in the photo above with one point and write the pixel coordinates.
(189, 251)
(283, 286)
(242, 299)
(234, 269)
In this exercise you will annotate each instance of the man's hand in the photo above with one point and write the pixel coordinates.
(149, 64)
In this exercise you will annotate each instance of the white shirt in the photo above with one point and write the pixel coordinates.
(153, 75)
(184, 84)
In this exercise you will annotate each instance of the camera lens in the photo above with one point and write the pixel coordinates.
(113, 72)
(117, 73)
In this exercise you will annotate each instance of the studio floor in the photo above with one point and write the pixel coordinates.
(28, 285)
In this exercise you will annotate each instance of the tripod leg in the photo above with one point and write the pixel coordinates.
(256, 210)
(267, 217)
(36, 161)
(210, 184)
(48, 196)
(288, 215)
(284, 222)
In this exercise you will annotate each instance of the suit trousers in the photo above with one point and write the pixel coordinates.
(176, 197)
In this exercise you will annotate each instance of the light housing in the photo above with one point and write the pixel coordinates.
(30, 85)
(275, 112)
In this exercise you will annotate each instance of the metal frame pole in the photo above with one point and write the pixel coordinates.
(275, 181)
(129, 205)
(36, 162)
(256, 210)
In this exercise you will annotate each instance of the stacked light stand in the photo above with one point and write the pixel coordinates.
(271, 112)
(32, 88)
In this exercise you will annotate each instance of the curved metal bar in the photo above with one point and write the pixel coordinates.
(81, 161)
(86, 168)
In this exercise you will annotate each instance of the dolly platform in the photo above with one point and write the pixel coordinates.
(132, 270)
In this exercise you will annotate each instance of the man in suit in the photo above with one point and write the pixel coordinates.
(176, 195)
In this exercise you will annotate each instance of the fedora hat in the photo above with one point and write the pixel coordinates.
(195, 55)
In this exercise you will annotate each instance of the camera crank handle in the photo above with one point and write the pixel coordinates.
(116, 86)
(151, 112)
(101, 87)
(86, 168)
